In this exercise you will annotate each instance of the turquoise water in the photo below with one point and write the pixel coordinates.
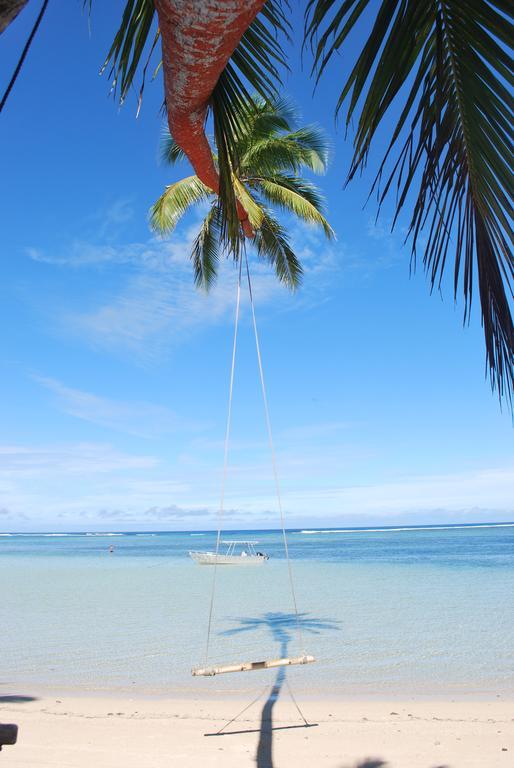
(390, 611)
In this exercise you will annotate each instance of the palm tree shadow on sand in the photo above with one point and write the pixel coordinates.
(281, 626)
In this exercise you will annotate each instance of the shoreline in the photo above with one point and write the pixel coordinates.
(334, 696)
(108, 731)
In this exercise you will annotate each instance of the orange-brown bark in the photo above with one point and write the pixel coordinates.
(198, 38)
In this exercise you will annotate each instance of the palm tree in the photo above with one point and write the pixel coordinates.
(439, 69)
(271, 153)
(441, 66)
(210, 52)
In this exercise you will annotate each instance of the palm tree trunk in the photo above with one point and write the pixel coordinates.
(198, 38)
(9, 9)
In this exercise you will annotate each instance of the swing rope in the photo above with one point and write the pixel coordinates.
(235, 718)
(225, 463)
(273, 458)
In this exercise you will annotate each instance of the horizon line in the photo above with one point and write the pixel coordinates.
(296, 529)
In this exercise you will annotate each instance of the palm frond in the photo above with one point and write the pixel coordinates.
(175, 201)
(296, 196)
(279, 114)
(315, 146)
(254, 68)
(283, 190)
(304, 148)
(445, 66)
(129, 43)
(206, 250)
(272, 244)
(171, 153)
(253, 209)
(259, 58)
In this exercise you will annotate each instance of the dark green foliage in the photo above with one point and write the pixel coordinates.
(269, 153)
(442, 70)
(443, 66)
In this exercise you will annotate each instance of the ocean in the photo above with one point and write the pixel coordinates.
(411, 611)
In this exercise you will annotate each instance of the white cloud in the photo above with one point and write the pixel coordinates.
(489, 489)
(94, 246)
(153, 254)
(159, 308)
(93, 484)
(119, 212)
(380, 229)
(41, 483)
(24, 462)
(134, 418)
(157, 305)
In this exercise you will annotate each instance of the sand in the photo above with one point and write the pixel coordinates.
(72, 731)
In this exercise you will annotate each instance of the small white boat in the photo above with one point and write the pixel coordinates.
(237, 553)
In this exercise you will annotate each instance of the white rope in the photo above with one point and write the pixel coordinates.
(306, 722)
(273, 459)
(225, 462)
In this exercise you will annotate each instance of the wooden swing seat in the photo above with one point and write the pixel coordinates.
(249, 666)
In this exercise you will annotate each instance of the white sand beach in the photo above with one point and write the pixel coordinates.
(107, 732)
(414, 657)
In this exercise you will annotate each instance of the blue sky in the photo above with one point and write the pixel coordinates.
(114, 370)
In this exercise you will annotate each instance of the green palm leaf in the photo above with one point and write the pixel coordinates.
(175, 201)
(281, 189)
(273, 245)
(296, 196)
(268, 117)
(129, 44)
(171, 153)
(444, 66)
(251, 206)
(206, 250)
(305, 148)
(254, 68)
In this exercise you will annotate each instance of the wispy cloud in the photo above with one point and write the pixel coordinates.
(158, 308)
(384, 250)
(134, 418)
(490, 488)
(157, 305)
(43, 482)
(153, 254)
(150, 313)
(380, 230)
(96, 483)
(173, 512)
(59, 460)
(118, 213)
(93, 246)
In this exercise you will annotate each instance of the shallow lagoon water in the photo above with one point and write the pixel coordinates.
(386, 612)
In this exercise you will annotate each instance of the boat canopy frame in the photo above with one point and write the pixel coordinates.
(233, 543)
